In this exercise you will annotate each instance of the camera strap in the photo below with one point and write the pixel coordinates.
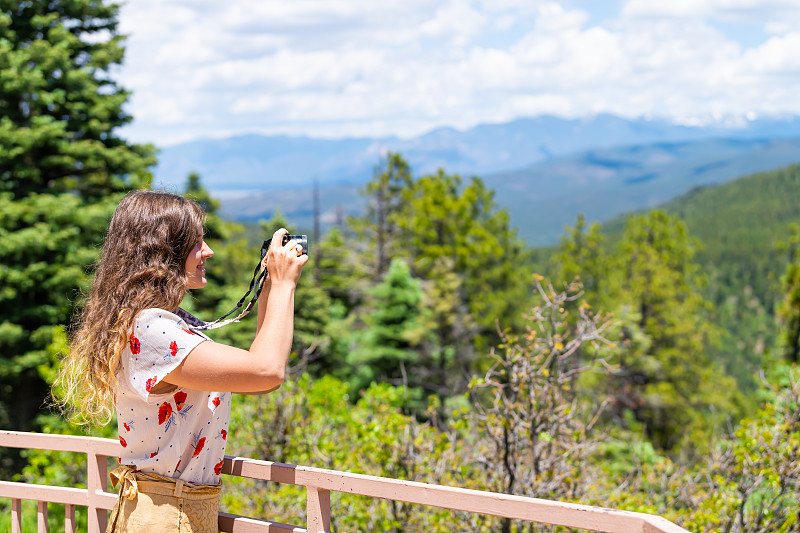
(256, 284)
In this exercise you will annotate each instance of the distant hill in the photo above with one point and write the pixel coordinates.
(738, 224)
(604, 183)
(258, 163)
(545, 197)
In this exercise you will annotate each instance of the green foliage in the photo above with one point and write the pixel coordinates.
(755, 475)
(536, 426)
(582, 255)
(337, 269)
(46, 245)
(306, 422)
(672, 383)
(379, 227)
(747, 483)
(738, 224)
(444, 219)
(427, 290)
(195, 190)
(395, 326)
(62, 168)
(789, 308)
(58, 103)
(747, 332)
(473, 267)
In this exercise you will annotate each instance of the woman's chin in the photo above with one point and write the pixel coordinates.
(197, 284)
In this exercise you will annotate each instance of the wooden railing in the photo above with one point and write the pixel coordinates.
(318, 482)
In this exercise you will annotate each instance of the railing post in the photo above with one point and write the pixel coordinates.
(318, 510)
(69, 519)
(96, 481)
(16, 516)
(41, 518)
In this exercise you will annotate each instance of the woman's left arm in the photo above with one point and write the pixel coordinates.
(261, 313)
(262, 302)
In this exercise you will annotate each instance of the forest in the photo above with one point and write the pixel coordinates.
(648, 364)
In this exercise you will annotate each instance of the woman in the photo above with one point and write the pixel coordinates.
(171, 385)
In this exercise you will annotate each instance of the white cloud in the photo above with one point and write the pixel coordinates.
(778, 56)
(705, 8)
(358, 67)
(456, 21)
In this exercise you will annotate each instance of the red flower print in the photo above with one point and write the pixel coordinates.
(218, 467)
(215, 401)
(190, 332)
(164, 412)
(148, 386)
(199, 447)
(153, 454)
(180, 398)
(177, 466)
(136, 346)
(126, 426)
(122, 441)
(224, 434)
(173, 348)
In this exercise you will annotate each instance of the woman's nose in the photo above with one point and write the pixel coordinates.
(207, 251)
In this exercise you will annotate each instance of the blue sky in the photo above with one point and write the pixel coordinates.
(347, 68)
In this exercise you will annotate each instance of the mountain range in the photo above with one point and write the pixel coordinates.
(544, 170)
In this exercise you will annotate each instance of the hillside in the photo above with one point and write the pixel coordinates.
(542, 199)
(738, 224)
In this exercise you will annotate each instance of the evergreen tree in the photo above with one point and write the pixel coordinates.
(582, 255)
(336, 269)
(380, 225)
(195, 190)
(59, 104)
(394, 329)
(61, 167)
(670, 380)
(458, 228)
(461, 246)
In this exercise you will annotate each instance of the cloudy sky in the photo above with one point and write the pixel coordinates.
(343, 68)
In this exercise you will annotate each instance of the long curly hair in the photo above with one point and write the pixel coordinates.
(142, 265)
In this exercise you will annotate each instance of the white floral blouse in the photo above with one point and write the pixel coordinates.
(181, 433)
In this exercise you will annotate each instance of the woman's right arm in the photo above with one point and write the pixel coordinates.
(214, 366)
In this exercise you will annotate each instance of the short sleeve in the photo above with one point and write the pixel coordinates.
(158, 344)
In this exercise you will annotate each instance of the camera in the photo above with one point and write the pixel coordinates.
(302, 240)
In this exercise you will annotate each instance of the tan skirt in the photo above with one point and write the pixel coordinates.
(149, 502)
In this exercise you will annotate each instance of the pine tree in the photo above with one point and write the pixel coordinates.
(669, 378)
(456, 228)
(62, 166)
(394, 328)
(380, 226)
(581, 255)
(59, 104)
(336, 270)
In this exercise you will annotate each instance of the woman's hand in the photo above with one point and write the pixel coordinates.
(283, 261)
